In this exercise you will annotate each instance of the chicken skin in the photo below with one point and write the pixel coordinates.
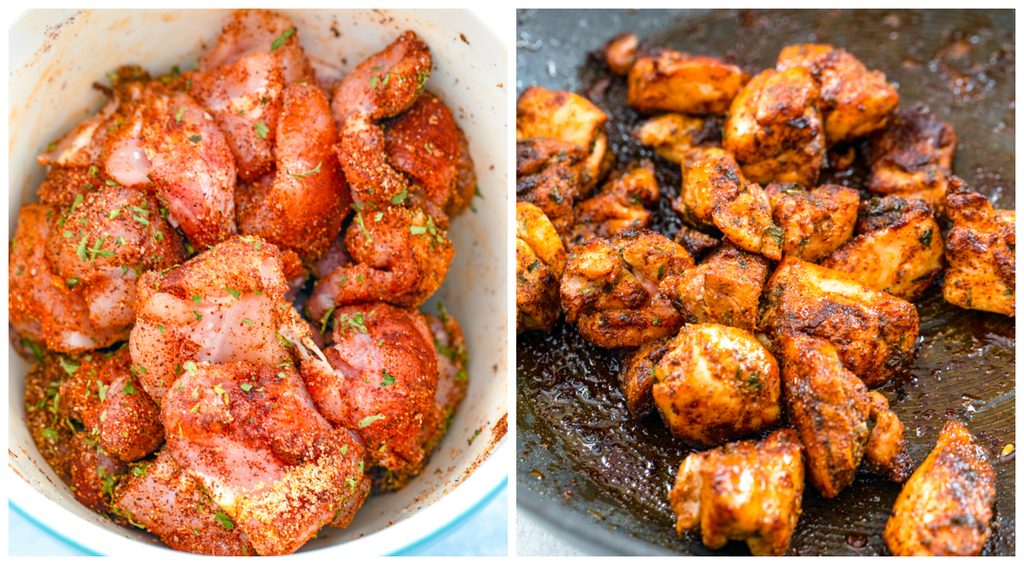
(902, 255)
(946, 506)
(715, 384)
(746, 490)
(160, 497)
(680, 82)
(548, 176)
(724, 289)
(674, 136)
(853, 100)
(610, 288)
(831, 409)
(873, 332)
(980, 252)
(913, 157)
(624, 202)
(775, 129)
(814, 222)
(636, 379)
(540, 261)
(568, 117)
(386, 83)
(620, 53)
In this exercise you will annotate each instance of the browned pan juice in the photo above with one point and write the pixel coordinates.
(584, 459)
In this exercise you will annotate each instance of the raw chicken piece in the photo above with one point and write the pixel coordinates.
(386, 83)
(50, 428)
(94, 473)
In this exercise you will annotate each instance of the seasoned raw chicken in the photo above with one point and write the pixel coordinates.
(831, 409)
(160, 497)
(815, 222)
(50, 428)
(637, 376)
(104, 396)
(624, 202)
(715, 384)
(853, 100)
(746, 490)
(680, 82)
(775, 130)
(901, 255)
(913, 156)
(674, 136)
(946, 506)
(724, 289)
(873, 332)
(540, 261)
(620, 53)
(251, 436)
(362, 152)
(386, 83)
(94, 473)
(610, 288)
(980, 252)
(548, 176)
(568, 117)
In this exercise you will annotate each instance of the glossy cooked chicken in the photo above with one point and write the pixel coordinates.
(674, 136)
(620, 53)
(540, 261)
(548, 176)
(624, 202)
(814, 222)
(636, 379)
(716, 383)
(746, 490)
(671, 81)
(946, 507)
(610, 288)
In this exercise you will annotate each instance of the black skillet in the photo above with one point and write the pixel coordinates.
(598, 477)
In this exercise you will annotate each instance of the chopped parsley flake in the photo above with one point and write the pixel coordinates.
(261, 130)
(280, 40)
(225, 521)
(388, 380)
(369, 420)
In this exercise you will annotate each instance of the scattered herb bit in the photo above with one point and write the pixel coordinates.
(369, 420)
(461, 375)
(129, 388)
(247, 321)
(281, 375)
(400, 197)
(926, 239)
(235, 293)
(246, 387)
(179, 114)
(225, 520)
(280, 40)
(356, 322)
(140, 470)
(285, 342)
(344, 449)
(661, 271)
(80, 250)
(312, 171)
(474, 436)
(160, 328)
(362, 226)
(325, 320)
(190, 367)
(388, 380)
(261, 130)
(195, 138)
(94, 170)
(101, 389)
(50, 434)
(197, 314)
(68, 365)
(223, 394)
(111, 182)
(114, 214)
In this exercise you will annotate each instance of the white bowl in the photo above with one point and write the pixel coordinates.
(55, 58)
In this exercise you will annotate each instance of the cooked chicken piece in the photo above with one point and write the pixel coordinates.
(300, 206)
(815, 222)
(902, 257)
(399, 255)
(746, 221)
(724, 289)
(387, 82)
(854, 101)
(715, 384)
(946, 506)
(251, 436)
(426, 144)
(548, 176)
(636, 378)
(381, 379)
(224, 305)
(696, 243)
(620, 53)
(830, 408)
(873, 332)
(624, 202)
(46, 309)
(241, 82)
(540, 261)
(610, 288)
(94, 473)
(913, 156)
(160, 497)
(774, 128)
(50, 428)
(680, 82)
(102, 393)
(746, 490)
(568, 117)
(674, 136)
(886, 452)
(980, 251)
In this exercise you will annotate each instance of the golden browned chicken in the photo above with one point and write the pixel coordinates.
(674, 136)
(637, 375)
(568, 117)
(873, 332)
(946, 506)
(913, 156)
(624, 202)
(853, 100)
(746, 490)
(610, 288)
(715, 384)
(548, 176)
(980, 252)
(901, 254)
(696, 243)
(386, 83)
(815, 222)
(620, 53)
(746, 221)
(540, 261)
(832, 411)
(724, 289)
(680, 82)
(775, 130)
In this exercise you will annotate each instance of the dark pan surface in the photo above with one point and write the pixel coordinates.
(588, 468)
